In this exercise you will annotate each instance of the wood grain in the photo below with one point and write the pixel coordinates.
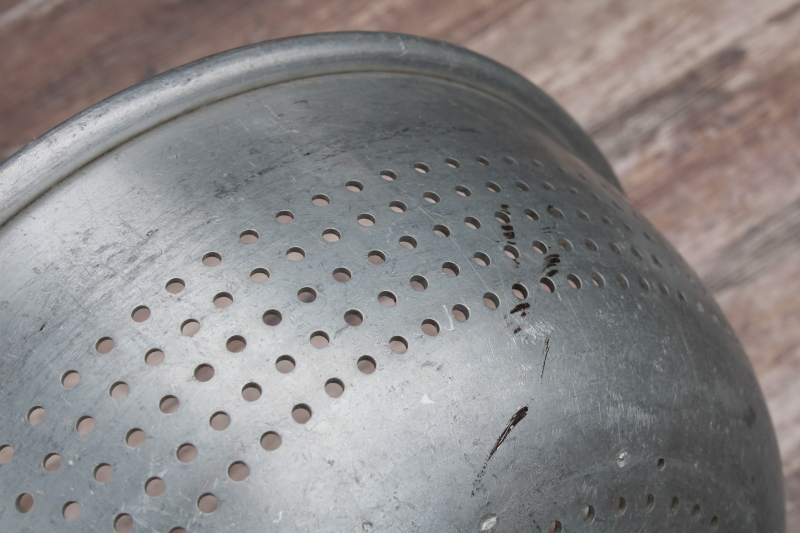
(696, 105)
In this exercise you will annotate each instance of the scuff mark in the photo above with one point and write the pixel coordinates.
(450, 317)
(516, 419)
(545, 352)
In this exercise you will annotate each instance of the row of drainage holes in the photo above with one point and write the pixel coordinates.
(186, 453)
(154, 487)
(251, 392)
(424, 168)
(203, 373)
(531, 214)
(250, 236)
(334, 387)
(123, 523)
(37, 414)
(450, 269)
(378, 257)
(332, 235)
(353, 317)
(440, 230)
(321, 200)
(567, 246)
(261, 275)
(365, 219)
(219, 421)
(321, 339)
(621, 505)
(273, 317)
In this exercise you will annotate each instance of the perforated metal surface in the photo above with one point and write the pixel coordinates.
(365, 301)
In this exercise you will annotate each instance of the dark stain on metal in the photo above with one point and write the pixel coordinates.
(517, 329)
(545, 352)
(516, 419)
(520, 307)
(550, 261)
(551, 273)
(504, 209)
(548, 229)
(750, 416)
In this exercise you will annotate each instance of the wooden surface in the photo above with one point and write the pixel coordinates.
(696, 105)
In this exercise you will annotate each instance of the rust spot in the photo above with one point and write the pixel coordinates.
(517, 329)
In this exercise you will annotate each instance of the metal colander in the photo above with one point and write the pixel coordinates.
(356, 282)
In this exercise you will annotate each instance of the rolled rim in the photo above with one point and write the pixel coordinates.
(68, 147)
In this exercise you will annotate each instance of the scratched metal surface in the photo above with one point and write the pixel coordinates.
(625, 403)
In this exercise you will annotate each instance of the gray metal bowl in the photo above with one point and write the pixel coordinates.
(353, 282)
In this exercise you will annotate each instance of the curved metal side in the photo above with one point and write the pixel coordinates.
(379, 299)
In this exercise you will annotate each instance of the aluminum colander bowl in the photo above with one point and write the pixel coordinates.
(354, 282)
